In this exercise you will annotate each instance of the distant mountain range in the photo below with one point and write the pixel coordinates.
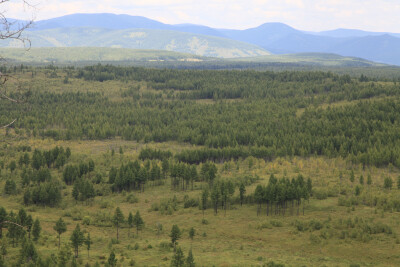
(110, 30)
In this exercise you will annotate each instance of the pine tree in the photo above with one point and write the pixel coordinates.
(60, 228)
(112, 261)
(29, 224)
(138, 222)
(190, 259)
(88, 243)
(388, 183)
(3, 217)
(28, 252)
(130, 222)
(175, 235)
(77, 239)
(352, 176)
(191, 233)
(36, 230)
(361, 179)
(204, 199)
(118, 219)
(178, 260)
(75, 191)
(242, 191)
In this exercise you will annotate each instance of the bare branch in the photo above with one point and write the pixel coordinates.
(9, 222)
(13, 30)
(8, 125)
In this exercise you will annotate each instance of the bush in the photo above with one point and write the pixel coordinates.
(320, 194)
(86, 220)
(190, 202)
(131, 198)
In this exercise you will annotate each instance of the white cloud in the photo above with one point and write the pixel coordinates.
(377, 15)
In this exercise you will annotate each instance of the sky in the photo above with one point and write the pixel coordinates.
(309, 15)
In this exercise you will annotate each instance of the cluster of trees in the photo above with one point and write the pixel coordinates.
(151, 154)
(35, 176)
(19, 225)
(182, 175)
(133, 175)
(279, 194)
(220, 194)
(44, 194)
(83, 190)
(74, 172)
(55, 157)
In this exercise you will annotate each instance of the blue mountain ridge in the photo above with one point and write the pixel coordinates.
(275, 37)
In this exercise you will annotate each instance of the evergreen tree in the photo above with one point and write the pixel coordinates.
(88, 243)
(75, 191)
(28, 252)
(352, 176)
(190, 259)
(204, 199)
(192, 233)
(178, 260)
(130, 222)
(361, 179)
(36, 230)
(215, 197)
(112, 261)
(64, 255)
(165, 167)
(77, 239)
(29, 225)
(242, 191)
(3, 248)
(3, 217)
(60, 228)
(175, 235)
(138, 222)
(388, 183)
(118, 219)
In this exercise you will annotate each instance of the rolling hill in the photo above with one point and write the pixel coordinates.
(197, 44)
(111, 30)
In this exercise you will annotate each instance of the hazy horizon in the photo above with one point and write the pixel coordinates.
(307, 15)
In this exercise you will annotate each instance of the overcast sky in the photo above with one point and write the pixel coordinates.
(313, 15)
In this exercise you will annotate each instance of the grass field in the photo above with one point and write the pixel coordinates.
(239, 238)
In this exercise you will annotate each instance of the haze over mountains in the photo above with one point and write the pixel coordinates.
(110, 30)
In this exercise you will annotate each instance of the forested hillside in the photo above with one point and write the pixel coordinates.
(269, 114)
(132, 166)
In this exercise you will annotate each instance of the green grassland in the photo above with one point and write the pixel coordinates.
(239, 238)
(345, 222)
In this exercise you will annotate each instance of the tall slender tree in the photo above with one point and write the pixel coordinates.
(60, 228)
(77, 239)
(138, 222)
(175, 235)
(118, 219)
(36, 229)
(130, 223)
